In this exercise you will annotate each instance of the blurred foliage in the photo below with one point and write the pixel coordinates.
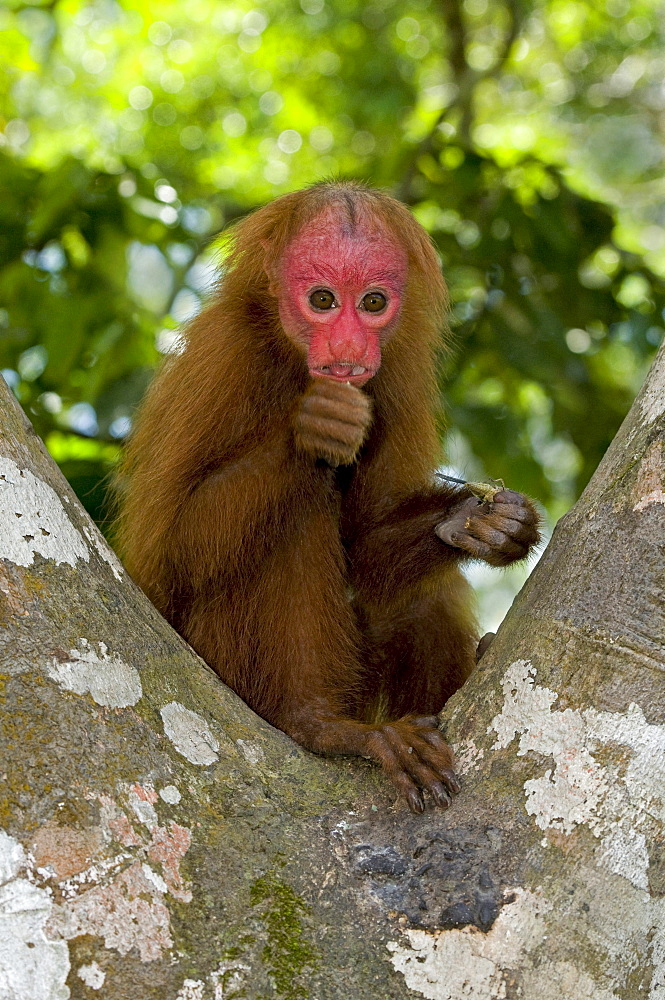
(526, 137)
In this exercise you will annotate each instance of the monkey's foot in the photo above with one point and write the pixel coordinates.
(415, 756)
(484, 644)
(500, 532)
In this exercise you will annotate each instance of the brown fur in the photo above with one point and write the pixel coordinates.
(251, 546)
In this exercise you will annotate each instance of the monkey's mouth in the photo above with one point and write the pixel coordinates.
(343, 371)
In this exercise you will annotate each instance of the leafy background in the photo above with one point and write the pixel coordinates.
(527, 137)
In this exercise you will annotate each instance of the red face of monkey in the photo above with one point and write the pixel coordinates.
(340, 292)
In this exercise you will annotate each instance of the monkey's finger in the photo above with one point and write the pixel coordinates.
(511, 497)
(517, 530)
(469, 506)
(511, 526)
(430, 752)
(426, 728)
(337, 394)
(334, 430)
(356, 406)
(500, 550)
(452, 781)
(460, 539)
(501, 541)
(330, 409)
(409, 756)
(440, 794)
(451, 531)
(380, 750)
(424, 777)
(477, 549)
(329, 433)
(434, 737)
(525, 515)
(413, 797)
(429, 746)
(426, 721)
(406, 788)
(331, 389)
(447, 773)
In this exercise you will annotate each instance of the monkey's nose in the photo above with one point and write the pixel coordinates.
(347, 340)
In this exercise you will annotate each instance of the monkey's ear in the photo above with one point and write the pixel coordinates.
(270, 267)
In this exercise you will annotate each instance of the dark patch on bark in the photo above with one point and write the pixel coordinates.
(439, 879)
(379, 861)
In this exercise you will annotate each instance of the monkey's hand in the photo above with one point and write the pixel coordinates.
(332, 421)
(415, 756)
(499, 532)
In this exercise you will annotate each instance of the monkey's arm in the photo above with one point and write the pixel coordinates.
(227, 525)
(422, 533)
(231, 519)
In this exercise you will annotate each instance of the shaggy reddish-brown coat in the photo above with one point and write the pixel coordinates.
(321, 595)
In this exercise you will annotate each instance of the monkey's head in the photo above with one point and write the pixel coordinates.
(350, 274)
(340, 289)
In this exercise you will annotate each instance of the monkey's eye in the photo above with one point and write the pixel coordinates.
(374, 302)
(322, 298)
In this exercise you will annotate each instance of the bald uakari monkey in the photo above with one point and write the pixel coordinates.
(282, 510)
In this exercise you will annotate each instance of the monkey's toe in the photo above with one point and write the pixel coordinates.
(417, 759)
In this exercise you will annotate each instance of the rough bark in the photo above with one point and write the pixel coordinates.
(159, 840)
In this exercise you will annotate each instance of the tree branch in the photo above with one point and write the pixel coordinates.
(466, 79)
